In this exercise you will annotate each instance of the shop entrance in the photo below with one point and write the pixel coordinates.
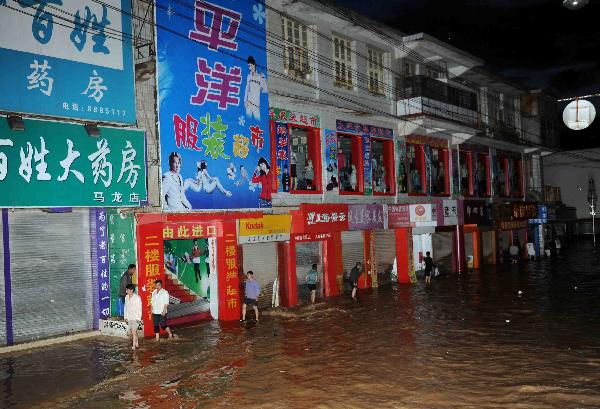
(307, 254)
(385, 255)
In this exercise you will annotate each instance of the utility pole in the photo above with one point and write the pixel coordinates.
(592, 200)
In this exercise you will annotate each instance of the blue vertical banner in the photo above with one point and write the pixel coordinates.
(67, 58)
(428, 173)
(102, 258)
(213, 105)
(367, 165)
(331, 164)
(282, 139)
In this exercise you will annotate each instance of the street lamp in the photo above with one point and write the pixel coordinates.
(591, 201)
(574, 4)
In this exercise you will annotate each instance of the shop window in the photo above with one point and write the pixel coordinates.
(481, 175)
(439, 171)
(516, 177)
(416, 168)
(465, 173)
(350, 168)
(502, 179)
(382, 166)
(305, 163)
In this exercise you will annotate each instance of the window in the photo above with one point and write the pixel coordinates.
(305, 163)
(350, 168)
(515, 180)
(465, 174)
(382, 165)
(343, 68)
(375, 71)
(481, 175)
(439, 171)
(409, 69)
(416, 168)
(295, 49)
(501, 187)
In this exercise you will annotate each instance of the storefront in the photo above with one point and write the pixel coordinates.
(540, 233)
(315, 239)
(423, 218)
(57, 182)
(511, 222)
(260, 242)
(208, 289)
(378, 244)
(507, 174)
(427, 166)
(480, 237)
(473, 172)
(398, 222)
(445, 241)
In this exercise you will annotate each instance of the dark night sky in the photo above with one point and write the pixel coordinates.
(537, 43)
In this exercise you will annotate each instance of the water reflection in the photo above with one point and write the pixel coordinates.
(522, 336)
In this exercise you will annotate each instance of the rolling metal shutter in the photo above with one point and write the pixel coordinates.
(385, 253)
(353, 249)
(51, 273)
(261, 258)
(2, 293)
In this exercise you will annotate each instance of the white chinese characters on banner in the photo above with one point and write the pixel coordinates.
(316, 217)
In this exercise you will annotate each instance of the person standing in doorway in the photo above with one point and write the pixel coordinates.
(196, 253)
(252, 291)
(428, 267)
(126, 279)
(312, 277)
(160, 305)
(354, 276)
(133, 314)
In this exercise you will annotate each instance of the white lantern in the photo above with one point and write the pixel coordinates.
(579, 114)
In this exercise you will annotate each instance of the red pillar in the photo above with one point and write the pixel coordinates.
(403, 255)
(365, 279)
(330, 269)
(458, 250)
(476, 237)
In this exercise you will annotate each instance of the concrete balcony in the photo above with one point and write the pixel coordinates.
(417, 106)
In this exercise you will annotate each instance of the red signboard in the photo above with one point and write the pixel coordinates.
(311, 237)
(187, 230)
(229, 296)
(317, 218)
(513, 225)
(398, 216)
(150, 268)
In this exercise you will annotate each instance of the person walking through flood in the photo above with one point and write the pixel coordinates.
(252, 291)
(133, 314)
(312, 277)
(354, 276)
(160, 304)
(428, 267)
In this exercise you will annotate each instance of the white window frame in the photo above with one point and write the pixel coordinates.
(343, 63)
(297, 44)
(376, 71)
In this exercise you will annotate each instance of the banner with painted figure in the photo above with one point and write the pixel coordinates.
(67, 58)
(282, 139)
(331, 157)
(213, 105)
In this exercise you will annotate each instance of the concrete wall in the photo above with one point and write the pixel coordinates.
(571, 174)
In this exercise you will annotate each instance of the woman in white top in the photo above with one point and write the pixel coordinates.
(133, 313)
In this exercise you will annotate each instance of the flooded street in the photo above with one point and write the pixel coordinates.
(519, 337)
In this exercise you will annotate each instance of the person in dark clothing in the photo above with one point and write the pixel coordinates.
(428, 267)
(126, 279)
(354, 275)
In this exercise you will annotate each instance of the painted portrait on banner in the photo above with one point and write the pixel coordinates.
(213, 105)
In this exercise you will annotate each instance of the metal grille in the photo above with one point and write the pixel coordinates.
(307, 254)
(261, 258)
(353, 249)
(51, 273)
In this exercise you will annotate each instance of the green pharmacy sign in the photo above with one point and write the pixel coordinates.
(56, 164)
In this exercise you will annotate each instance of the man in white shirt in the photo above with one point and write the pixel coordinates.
(174, 187)
(133, 313)
(160, 304)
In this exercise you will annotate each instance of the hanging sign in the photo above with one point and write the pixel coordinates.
(266, 229)
(398, 216)
(365, 216)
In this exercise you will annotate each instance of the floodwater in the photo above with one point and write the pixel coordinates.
(524, 336)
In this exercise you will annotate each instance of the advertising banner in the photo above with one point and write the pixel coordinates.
(449, 210)
(282, 139)
(352, 127)
(331, 162)
(265, 229)
(398, 216)
(477, 212)
(423, 214)
(367, 165)
(102, 258)
(213, 105)
(365, 216)
(68, 58)
(56, 164)
(316, 218)
(294, 118)
(121, 250)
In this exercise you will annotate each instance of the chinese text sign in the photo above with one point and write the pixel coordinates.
(121, 250)
(102, 258)
(68, 59)
(54, 164)
(213, 105)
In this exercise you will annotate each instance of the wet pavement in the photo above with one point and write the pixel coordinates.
(524, 336)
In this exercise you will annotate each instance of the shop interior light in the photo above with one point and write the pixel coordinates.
(92, 130)
(575, 4)
(16, 123)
